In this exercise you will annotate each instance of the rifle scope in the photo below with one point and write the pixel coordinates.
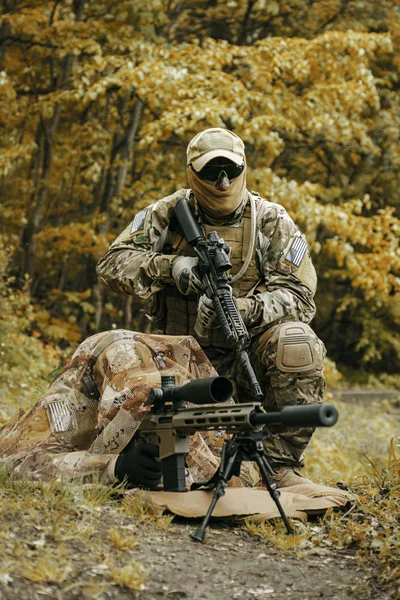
(210, 390)
(309, 415)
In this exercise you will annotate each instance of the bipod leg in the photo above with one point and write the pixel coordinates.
(224, 474)
(273, 492)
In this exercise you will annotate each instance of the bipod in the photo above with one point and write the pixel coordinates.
(245, 446)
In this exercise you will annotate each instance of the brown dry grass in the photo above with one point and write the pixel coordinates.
(362, 452)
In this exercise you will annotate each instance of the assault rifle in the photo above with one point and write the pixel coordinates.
(169, 425)
(213, 264)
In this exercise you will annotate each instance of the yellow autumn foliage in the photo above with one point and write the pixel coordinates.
(99, 101)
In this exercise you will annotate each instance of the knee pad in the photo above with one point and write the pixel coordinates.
(299, 349)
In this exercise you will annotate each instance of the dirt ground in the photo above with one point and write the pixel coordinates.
(231, 564)
(234, 564)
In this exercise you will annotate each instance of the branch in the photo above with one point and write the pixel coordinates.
(53, 12)
(242, 35)
(332, 19)
(29, 42)
(35, 92)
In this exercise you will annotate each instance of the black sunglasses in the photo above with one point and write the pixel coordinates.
(212, 172)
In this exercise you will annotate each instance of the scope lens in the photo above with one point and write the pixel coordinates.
(221, 389)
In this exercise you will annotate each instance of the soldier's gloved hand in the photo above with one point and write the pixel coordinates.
(185, 275)
(206, 313)
(139, 466)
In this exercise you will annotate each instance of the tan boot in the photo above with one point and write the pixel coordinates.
(288, 477)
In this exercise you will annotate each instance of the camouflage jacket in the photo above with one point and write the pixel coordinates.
(72, 432)
(284, 279)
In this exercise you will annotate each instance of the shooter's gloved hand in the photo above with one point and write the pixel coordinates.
(205, 316)
(185, 275)
(139, 466)
(206, 312)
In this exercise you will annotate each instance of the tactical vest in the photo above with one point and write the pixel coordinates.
(181, 311)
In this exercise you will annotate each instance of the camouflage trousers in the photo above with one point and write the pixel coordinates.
(287, 359)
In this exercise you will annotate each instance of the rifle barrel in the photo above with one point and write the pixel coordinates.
(309, 415)
(190, 227)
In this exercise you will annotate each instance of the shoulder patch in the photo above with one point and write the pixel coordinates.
(296, 252)
(138, 221)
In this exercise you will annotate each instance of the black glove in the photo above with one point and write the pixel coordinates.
(139, 466)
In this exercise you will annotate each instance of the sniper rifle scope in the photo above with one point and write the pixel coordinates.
(210, 390)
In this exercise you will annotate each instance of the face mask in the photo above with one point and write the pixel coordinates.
(216, 202)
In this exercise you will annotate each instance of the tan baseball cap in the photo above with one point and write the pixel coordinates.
(214, 142)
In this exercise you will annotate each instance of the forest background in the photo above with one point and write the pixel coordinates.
(98, 101)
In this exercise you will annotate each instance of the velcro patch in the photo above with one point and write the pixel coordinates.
(296, 252)
(138, 221)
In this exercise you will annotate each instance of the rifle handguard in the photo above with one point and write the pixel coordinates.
(239, 327)
(229, 333)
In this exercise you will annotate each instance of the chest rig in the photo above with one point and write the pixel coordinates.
(181, 311)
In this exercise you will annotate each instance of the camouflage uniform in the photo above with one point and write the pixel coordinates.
(279, 283)
(71, 432)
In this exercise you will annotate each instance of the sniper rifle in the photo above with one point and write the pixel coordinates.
(169, 425)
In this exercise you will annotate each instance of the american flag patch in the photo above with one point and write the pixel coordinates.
(138, 221)
(296, 252)
(59, 416)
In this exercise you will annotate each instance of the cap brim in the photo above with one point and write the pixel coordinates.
(199, 163)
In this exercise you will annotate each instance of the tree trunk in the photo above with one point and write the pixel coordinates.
(115, 180)
(42, 164)
(35, 214)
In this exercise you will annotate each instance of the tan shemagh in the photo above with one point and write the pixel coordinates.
(217, 203)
